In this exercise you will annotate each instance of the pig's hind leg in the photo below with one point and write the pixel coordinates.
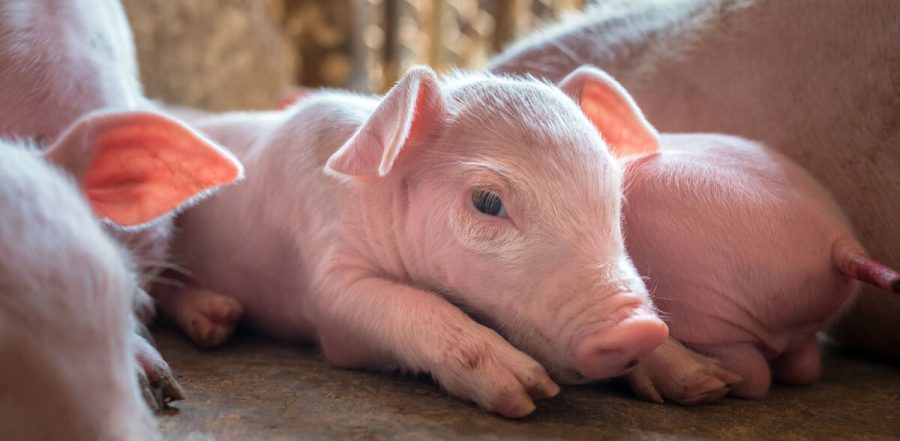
(675, 373)
(747, 360)
(800, 365)
(206, 316)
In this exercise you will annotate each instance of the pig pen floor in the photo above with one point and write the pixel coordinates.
(254, 389)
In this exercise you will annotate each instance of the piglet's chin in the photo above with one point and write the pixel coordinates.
(613, 350)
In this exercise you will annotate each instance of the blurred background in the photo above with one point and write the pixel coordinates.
(245, 54)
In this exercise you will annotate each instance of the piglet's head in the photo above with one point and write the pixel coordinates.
(504, 194)
(135, 167)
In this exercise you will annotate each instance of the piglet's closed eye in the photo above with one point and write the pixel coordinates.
(137, 166)
(612, 111)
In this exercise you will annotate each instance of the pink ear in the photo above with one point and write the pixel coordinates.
(613, 112)
(412, 106)
(137, 166)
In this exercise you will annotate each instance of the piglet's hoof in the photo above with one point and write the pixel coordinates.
(158, 385)
(209, 318)
(485, 368)
(675, 373)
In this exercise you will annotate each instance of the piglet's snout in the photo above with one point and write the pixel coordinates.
(610, 349)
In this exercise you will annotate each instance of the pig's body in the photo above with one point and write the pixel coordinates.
(65, 322)
(815, 80)
(271, 304)
(743, 252)
(61, 60)
(356, 228)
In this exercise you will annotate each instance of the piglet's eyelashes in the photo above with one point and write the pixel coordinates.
(489, 203)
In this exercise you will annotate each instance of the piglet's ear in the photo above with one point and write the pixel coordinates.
(137, 166)
(613, 112)
(411, 107)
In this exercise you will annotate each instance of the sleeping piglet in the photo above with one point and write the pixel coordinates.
(746, 257)
(816, 80)
(746, 254)
(66, 326)
(375, 225)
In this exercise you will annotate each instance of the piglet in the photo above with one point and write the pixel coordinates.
(373, 226)
(60, 60)
(66, 328)
(746, 255)
(135, 169)
(816, 80)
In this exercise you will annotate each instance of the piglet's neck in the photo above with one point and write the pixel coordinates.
(376, 215)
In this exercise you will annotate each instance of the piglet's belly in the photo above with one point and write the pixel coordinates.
(274, 309)
(271, 297)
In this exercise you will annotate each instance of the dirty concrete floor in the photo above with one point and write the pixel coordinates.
(255, 389)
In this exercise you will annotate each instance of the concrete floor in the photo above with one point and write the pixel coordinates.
(255, 389)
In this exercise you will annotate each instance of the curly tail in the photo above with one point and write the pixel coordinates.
(853, 261)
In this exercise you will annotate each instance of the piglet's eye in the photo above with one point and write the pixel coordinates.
(488, 203)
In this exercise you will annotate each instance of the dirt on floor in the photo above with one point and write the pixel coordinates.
(255, 389)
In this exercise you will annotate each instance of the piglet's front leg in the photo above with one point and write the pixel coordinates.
(371, 322)
(675, 373)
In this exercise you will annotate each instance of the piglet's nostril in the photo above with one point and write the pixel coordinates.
(611, 351)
